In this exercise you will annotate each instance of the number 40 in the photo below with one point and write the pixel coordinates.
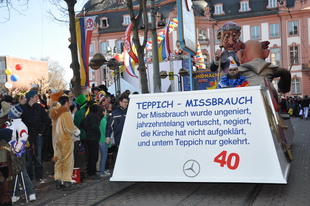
(221, 158)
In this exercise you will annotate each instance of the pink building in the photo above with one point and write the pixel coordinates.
(284, 23)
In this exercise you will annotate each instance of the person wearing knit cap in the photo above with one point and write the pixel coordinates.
(233, 78)
(31, 94)
(36, 119)
(18, 143)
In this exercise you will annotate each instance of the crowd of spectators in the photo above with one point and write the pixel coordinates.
(97, 122)
(295, 106)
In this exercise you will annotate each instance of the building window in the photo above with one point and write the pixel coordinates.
(119, 47)
(92, 74)
(148, 18)
(91, 49)
(274, 30)
(244, 6)
(272, 4)
(104, 22)
(255, 32)
(126, 20)
(202, 35)
(295, 87)
(218, 9)
(294, 55)
(104, 46)
(293, 28)
(275, 56)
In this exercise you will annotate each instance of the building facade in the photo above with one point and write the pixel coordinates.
(284, 23)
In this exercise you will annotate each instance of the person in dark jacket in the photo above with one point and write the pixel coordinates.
(36, 120)
(116, 120)
(91, 126)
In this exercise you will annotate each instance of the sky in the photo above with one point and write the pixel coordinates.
(31, 33)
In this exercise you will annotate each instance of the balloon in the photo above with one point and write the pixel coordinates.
(14, 78)
(8, 71)
(18, 67)
(8, 85)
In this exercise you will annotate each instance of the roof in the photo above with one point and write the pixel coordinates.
(115, 11)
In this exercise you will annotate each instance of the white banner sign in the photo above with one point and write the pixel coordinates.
(200, 136)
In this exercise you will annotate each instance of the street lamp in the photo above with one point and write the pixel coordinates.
(114, 65)
(182, 72)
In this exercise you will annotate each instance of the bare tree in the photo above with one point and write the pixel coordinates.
(42, 83)
(56, 75)
(140, 47)
(75, 66)
(6, 6)
(76, 80)
(142, 13)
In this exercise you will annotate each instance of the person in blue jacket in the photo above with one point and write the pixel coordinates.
(116, 121)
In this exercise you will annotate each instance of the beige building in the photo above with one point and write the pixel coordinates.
(33, 71)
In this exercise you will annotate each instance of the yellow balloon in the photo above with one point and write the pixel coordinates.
(8, 71)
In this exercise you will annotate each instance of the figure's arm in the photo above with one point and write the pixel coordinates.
(284, 83)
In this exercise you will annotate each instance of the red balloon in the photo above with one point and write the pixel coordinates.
(18, 67)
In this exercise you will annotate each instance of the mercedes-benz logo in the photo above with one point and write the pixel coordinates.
(191, 168)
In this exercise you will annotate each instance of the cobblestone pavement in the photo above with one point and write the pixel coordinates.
(104, 192)
(297, 191)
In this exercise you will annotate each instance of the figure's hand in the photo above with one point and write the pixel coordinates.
(108, 140)
(218, 55)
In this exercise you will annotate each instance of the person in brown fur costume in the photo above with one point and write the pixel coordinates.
(53, 104)
(64, 131)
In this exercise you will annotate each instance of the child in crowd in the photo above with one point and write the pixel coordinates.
(18, 142)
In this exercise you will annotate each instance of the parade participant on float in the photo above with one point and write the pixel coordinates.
(228, 36)
(256, 69)
(233, 78)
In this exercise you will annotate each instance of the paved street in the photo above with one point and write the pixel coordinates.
(104, 192)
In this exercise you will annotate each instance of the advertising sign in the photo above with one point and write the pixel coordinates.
(202, 80)
(201, 136)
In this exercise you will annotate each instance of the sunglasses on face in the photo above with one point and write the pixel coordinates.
(232, 70)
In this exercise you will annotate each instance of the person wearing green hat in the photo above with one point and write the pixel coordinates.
(79, 115)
